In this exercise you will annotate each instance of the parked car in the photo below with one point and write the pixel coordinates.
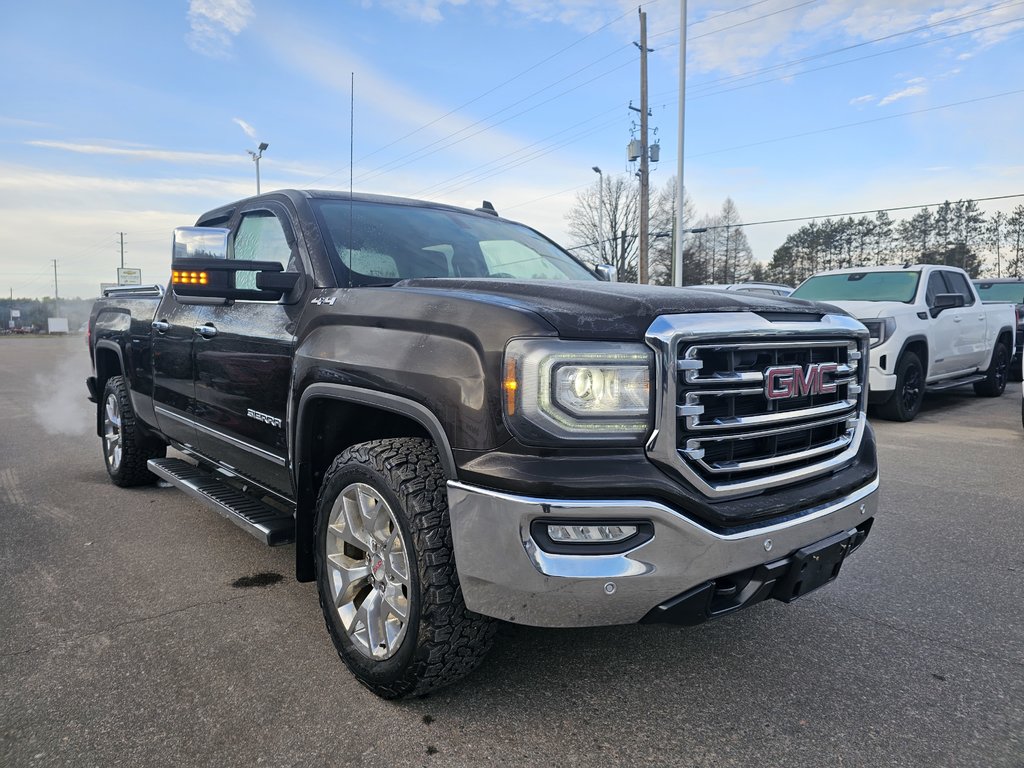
(763, 289)
(929, 331)
(1007, 290)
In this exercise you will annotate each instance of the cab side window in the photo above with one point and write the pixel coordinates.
(936, 285)
(261, 237)
(958, 284)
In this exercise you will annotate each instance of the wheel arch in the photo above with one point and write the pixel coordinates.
(108, 359)
(919, 346)
(332, 417)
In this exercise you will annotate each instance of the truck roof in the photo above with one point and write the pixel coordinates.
(225, 211)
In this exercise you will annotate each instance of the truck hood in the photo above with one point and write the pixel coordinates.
(866, 310)
(579, 309)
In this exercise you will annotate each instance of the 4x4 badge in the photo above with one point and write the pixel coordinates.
(320, 300)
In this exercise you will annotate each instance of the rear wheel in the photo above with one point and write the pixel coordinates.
(906, 400)
(126, 448)
(996, 375)
(386, 571)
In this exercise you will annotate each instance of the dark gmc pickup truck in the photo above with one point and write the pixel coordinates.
(455, 421)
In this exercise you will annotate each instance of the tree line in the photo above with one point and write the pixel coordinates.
(955, 234)
(605, 219)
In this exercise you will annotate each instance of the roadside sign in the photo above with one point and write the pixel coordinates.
(129, 276)
(15, 313)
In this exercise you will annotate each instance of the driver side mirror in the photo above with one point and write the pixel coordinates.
(944, 301)
(607, 272)
(200, 268)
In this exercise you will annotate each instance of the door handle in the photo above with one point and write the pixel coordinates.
(206, 331)
(161, 326)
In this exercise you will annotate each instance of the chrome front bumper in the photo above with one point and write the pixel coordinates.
(505, 574)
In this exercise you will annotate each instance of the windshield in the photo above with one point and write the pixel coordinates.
(860, 286)
(997, 292)
(382, 243)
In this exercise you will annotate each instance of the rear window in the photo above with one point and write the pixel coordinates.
(860, 286)
(381, 243)
(1000, 292)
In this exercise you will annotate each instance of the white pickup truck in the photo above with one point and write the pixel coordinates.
(929, 331)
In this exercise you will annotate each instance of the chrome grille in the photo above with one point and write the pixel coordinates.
(720, 428)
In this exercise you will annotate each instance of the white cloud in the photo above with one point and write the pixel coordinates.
(249, 130)
(421, 10)
(154, 154)
(149, 153)
(914, 90)
(916, 81)
(863, 99)
(215, 23)
(437, 126)
(5, 120)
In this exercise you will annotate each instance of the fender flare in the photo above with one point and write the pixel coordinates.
(911, 340)
(105, 344)
(386, 402)
(305, 492)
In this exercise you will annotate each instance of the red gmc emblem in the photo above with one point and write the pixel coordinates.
(783, 381)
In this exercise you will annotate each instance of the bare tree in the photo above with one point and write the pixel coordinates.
(663, 230)
(621, 213)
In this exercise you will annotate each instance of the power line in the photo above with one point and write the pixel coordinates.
(412, 157)
(861, 213)
(488, 92)
(858, 123)
(851, 61)
(921, 28)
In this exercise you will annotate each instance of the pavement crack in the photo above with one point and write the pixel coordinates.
(910, 632)
(128, 623)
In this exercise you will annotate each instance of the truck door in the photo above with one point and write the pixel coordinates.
(970, 349)
(942, 342)
(173, 371)
(243, 357)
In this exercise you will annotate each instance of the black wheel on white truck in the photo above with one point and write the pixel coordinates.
(386, 570)
(906, 399)
(997, 373)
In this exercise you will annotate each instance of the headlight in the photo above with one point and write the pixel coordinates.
(880, 329)
(577, 390)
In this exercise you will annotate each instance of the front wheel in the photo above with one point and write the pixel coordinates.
(995, 376)
(906, 400)
(386, 571)
(126, 448)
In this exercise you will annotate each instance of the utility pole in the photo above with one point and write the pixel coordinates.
(56, 292)
(122, 248)
(600, 212)
(645, 190)
(680, 202)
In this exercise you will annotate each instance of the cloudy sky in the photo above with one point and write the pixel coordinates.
(135, 117)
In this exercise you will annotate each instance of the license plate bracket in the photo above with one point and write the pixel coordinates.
(814, 566)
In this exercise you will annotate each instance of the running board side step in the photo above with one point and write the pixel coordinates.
(942, 386)
(267, 524)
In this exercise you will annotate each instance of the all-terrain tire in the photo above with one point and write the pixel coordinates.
(909, 393)
(126, 446)
(997, 373)
(382, 503)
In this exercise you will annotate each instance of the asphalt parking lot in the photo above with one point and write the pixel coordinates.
(127, 638)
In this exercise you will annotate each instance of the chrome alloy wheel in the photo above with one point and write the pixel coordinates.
(112, 432)
(368, 571)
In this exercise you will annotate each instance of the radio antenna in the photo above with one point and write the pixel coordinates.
(351, 162)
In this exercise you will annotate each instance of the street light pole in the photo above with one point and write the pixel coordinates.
(256, 159)
(600, 212)
(680, 188)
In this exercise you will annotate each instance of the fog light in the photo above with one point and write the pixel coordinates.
(590, 534)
